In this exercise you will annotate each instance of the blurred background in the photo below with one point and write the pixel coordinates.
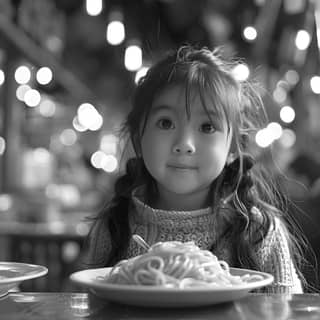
(67, 72)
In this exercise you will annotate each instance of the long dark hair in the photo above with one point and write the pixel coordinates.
(242, 184)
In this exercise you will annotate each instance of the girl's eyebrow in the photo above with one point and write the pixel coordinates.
(211, 113)
(203, 112)
(161, 107)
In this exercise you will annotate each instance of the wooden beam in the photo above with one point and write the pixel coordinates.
(39, 56)
(11, 128)
(265, 25)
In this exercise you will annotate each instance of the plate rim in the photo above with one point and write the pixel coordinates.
(42, 270)
(99, 285)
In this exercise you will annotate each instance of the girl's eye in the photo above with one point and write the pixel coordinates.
(165, 124)
(207, 128)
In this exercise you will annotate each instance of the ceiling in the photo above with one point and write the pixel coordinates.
(88, 69)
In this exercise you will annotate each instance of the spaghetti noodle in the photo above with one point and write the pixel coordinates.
(177, 265)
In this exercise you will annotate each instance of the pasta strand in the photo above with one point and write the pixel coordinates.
(177, 265)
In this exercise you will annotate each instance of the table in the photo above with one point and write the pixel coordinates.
(56, 245)
(69, 306)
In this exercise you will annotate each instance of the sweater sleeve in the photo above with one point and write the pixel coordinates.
(275, 258)
(99, 246)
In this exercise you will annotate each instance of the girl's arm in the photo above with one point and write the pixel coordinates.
(276, 259)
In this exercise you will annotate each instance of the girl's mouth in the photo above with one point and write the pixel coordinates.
(179, 166)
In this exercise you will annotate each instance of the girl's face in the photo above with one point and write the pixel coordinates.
(183, 155)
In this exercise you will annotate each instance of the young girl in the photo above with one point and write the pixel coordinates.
(193, 178)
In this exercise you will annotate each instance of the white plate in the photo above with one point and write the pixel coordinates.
(13, 273)
(152, 296)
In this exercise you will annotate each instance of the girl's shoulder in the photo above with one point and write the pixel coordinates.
(98, 229)
(98, 245)
(276, 237)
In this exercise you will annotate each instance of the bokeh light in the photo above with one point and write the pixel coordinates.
(241, 72)
(68, 137)
(287, 114)
(115, 33)
(2, 77)
(2, 145)
(32, 98)
(133, 58)
(302, 39)
(250, 33)
(22, 75)
(44, 75)
(315, 84)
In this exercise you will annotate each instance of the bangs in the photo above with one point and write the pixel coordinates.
(217, 89)
(218, 93)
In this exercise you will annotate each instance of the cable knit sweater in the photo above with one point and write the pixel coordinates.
(159, 225)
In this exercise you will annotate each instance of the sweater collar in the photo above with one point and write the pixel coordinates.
(147, 213)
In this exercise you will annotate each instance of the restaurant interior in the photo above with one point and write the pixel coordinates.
(67, 73)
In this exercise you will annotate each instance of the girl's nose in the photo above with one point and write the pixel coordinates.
(184, 145)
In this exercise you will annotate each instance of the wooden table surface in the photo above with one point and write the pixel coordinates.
(68, 306)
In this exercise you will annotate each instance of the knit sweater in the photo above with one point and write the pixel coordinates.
(156, 225)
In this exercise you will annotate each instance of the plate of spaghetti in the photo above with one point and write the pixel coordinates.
(172, 274)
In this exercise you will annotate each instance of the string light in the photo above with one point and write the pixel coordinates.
(97, 124)
(292, 77)
(93, 7)
(106, 162)
(109, 143)
(54, 43)
(89, 117)
(68, 137)
(266, 136)
(250, 33)
(115, 33)
(22, 75)
(47, 108)
(241, 72)
(109, 163)
(279, 94)
(294, 7)
(96, 159)
(32, 98)
(133, 58)
(2, 145)
(2, 77)
(302, 40)
(315, 84)
(275, 130)
(263, 138)
(6, 202)
(77, 125)
(287, 114)
(288, 138)
(21, 91)
(44, 75)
